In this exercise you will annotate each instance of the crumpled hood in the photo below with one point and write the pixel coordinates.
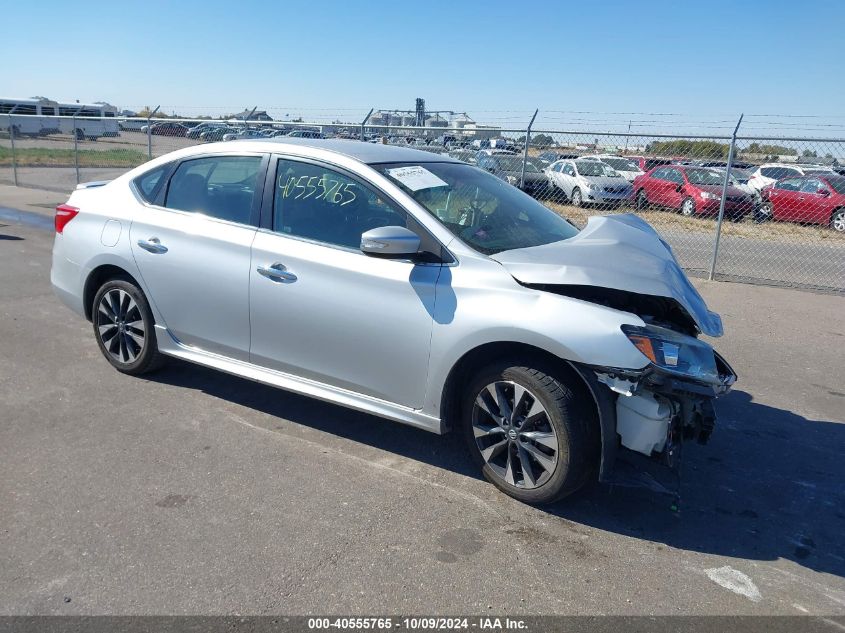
(620, 251)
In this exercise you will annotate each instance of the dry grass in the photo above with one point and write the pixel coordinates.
(671, 221)
(53, 157)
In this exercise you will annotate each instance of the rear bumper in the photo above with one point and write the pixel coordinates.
(65, 277)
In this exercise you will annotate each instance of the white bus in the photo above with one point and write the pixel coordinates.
(39, 116)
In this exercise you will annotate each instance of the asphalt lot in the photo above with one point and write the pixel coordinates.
(194, 492)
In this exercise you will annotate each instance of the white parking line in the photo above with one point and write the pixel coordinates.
(734, 580)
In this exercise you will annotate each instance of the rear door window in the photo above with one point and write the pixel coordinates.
(660, 173)
(221, 187)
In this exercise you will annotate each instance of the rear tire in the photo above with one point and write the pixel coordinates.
(124, 328)
(540, 448)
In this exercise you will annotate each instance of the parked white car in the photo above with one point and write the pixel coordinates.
(740, 180)
(589, 182)
(770, 173)
(626, 168)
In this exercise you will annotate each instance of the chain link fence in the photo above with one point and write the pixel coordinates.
(776, 216)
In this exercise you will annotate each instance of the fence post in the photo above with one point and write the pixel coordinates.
(731, 153)
(364, 122)
(525, 151)
(75, 149)
(249, 116)
(14, 154)
(150, 133)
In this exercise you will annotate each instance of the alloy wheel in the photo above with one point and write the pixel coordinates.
(120, 326)
(577, 200)
(838, 222)
(688, 207)
(514, 435)
(764, 212)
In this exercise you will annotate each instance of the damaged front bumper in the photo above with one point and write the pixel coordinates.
(646, 415)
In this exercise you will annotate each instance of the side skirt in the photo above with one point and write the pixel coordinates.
(167, 344)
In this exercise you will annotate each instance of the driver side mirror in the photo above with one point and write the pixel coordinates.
(678, 188)
(390, 241)
(823, 192)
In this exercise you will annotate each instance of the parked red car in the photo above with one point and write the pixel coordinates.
(690, 190)
(812, 199)
(645, 163)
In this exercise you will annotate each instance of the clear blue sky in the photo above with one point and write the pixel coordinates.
(496, 59)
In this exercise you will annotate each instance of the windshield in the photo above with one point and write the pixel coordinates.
(703, 177)
(482, 210)
(837, 183)
(621, 164)
(595, 168)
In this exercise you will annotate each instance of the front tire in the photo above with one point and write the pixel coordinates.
(533, 432)
(124, 328)
(642, 200)
(688, 207)
(577, 198)
(764, 213)
(837, 221)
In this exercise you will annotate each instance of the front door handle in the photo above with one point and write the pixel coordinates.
(277, 272)
(153, 245)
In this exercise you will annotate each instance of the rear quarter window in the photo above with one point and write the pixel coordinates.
(149, 184)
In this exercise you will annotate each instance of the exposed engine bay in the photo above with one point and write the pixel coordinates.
(653, 411)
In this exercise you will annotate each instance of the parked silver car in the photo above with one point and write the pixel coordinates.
(407, 285)
(625, 167)
(246, 133)
(586, 182)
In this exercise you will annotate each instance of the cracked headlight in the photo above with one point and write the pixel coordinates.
(674, 353)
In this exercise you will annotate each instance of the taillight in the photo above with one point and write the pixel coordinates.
(64, 214)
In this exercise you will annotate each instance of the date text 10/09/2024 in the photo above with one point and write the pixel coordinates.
(417, 624)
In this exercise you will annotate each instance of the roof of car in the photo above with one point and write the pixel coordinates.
(369, 153)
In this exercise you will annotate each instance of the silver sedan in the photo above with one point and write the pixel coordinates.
(405, 284)
(586, 182)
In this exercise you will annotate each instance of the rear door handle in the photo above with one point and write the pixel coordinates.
(277, 272)
(152, 245)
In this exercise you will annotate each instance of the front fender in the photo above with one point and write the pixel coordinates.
(499, 310)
